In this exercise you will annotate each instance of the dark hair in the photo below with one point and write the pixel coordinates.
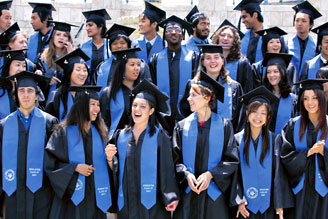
(252, 107)
(126, 38)
(234, 53)
(44, 16)
(143, 16)
(323, 72)
(265, 41)
(200, 16)
(322, 116)
(224, 74)
(284, 85)
(251, 11)
(310, 18)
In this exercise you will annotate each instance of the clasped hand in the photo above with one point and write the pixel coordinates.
(201, 183)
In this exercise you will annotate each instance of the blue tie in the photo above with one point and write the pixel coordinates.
(148, 45)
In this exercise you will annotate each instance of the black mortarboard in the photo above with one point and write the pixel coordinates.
(282, 59)
(39, 6)
(307, 8)
(154, 13)
(193, 11)
(174, 19)
(261, 94)
(8, 34)
(228, 23)
(16, 54)
(5, 5)
(249, 4)
(28, 79)
(117, 30)
(311, 84)
(211, 48)
(98, 16)
(76, 56)
(126, 53)
(147, 90)
(211, 84)
(62, 26)
(272, 32)
(321, 30)
(90, 90)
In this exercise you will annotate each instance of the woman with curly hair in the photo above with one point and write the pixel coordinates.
(238, 66)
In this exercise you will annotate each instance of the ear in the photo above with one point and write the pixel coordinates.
(152, 110)
(154, 24)
(255, 15)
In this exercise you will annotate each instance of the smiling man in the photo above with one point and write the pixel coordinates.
(5, 15)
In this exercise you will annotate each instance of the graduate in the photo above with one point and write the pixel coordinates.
(200, 29)
(97, 47)
(238, 66)
(5, 15)
(252, 18)
(174, 66)
(118, 39)
(323, 74)
(275, 80)
(75, 73)
(143, 164)
(41, 14)
(75, 160)
(302, 46)
(23, 137)
(212, 62)
(205, 154)
(304, 152)
(262, 189)
(151, 42)
(59, 45)
(312, 66)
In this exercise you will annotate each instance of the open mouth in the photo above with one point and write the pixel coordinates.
(137, 115)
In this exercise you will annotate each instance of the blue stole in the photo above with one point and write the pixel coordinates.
(103, 73)
(35, 152)
(245, 43)
(1, 64)
(262, 69)
(320, 185)
(256, 177)
(116, 111)
(191, 43)
(284, 113)
(87, 49)
(69, 106)
(148, 167)
(4, 105)
(156, 48)
(314, 65)
(101, 177)
(32, 46)
(232, 67)
(225, 109)
(294, 49)
(163, 73)
(216, 142)
(49, 73)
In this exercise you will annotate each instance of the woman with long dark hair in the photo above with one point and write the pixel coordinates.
(143, 164)
(238, 66)
(75, 74)
(75, 160)
(261, 190)
(205, 154)
(304, 152)
(275, 79)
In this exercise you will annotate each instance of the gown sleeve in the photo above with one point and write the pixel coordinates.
(184, 106)
(246, 73)
(144, 70)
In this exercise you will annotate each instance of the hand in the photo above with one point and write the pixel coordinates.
(280, 212)
(317, 148)
(69, 47)
(38, 72)
(192, 182)
(203, 181)
(110, 152)
(54, 80)
(84, 169)
(172, 206)
(242, 210)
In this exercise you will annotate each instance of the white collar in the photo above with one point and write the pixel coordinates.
(151, 41)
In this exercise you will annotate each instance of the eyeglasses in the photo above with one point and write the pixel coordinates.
(171, 30)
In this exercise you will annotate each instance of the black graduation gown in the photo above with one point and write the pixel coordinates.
(305, 70)
(53, 104)
(202, 206)
(167, 188)
(281, 193)
(245, 74)
(23, 203)
(309, 204)
(63, 178)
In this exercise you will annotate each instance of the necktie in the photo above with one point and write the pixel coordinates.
(325, 63)
(148, 45)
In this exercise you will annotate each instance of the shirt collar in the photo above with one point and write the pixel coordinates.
(21, 115)
(151, 41)
(323, 59)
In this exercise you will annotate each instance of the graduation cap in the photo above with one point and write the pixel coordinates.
(39, 7)
(62, 26)
(272, 32)
(148, 91)
(76, 56)
(211, 48)
(154, 13)
(193, 11)
(307, 8)
(321, 30)
(261, 94)
(117, 30)
(228, 23)
(90, 90)
(16, 54)
(281, 59)
(99, 16)
(311, 84)
(249, 4)
(5, 5)
(28, 79)
(127, 53)
(8, 34)
(174, 20)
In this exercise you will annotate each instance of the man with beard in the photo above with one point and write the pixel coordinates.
(252, 18)
(174, 66)
(5, 15)
(199, 30)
